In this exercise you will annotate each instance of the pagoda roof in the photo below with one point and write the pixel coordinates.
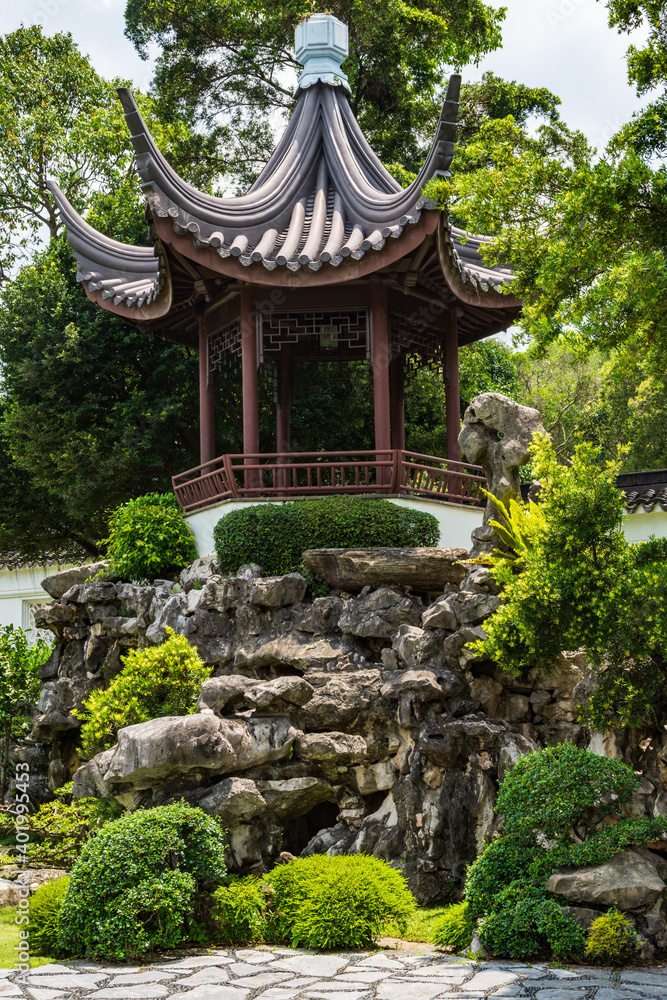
(324, 210)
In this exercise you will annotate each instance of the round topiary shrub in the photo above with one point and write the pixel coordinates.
(135, 885)
(611, 939)
(336, 902)
(239, 910)
(454, 929)
(148, 538)
(276, 535)
(526, 921)
(45, 905)
(155, 682)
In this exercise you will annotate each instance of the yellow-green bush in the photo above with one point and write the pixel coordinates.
(45, 905)
(239, 910)
(149, 538)
(611, 939)
(155, 682)
(454, 928)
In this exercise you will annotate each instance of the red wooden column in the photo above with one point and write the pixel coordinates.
(452, 390)
(381, 358)
(206, 400)
(283, 406)
(397, 402)
(250, 382)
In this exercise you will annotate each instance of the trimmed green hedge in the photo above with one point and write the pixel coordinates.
(276, 535)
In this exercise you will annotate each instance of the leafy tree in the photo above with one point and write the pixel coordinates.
(19, 687)
(227, 65)
(585, 586)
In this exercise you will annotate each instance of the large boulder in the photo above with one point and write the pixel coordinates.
(58, 584)
(424, 569)
(292, 797)
(278, 591)
(378, 614)
(629, 881)
(219, 692)
(152, 752)
(280, 691)
(235, 800)
(331, 748)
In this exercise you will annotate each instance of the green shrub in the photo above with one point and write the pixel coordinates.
(276, 535)
(455, 927)
(148, 538)
(611, 939)
(503, 862)
(563, 789)
(337, 902)
(135, 885)
(525, 921)
(45, 906)
(154, 682)
(239, 910)
(59, 829)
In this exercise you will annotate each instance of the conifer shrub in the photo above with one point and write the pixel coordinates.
(563, 807)
(276, 535)
(336, 902)
(155, 682)
(136, 885)
(45, 905)
(239, 907)
(148, 538)
(611, 939)
(455, 927)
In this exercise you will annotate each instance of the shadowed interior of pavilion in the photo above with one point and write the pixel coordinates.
(325, 259)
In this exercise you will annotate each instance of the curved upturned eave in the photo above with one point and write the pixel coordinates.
(476, 284)
(126, 280)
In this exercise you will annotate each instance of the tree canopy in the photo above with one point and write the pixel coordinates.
(227, 66)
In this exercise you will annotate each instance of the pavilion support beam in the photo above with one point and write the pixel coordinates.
(397, 402)
(250, 383)
(452, 389)
(206, 400)
(283, 407)
(381, 359)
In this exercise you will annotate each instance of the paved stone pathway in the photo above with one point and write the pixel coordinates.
(289, 974)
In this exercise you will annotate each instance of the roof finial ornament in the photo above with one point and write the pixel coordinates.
(321, 46)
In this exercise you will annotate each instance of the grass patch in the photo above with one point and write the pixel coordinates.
(9, 938)
(420, 925)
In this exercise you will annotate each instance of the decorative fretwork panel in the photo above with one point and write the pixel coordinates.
(332, 330)
(413, 336)
(224, 344)
(34, 633)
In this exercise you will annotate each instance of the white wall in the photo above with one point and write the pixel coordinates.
(639, 526)
(456, 520)
(19, 591)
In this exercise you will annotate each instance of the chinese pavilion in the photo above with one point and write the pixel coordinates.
(325, 258)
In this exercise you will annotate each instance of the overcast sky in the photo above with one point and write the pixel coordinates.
(564, 45)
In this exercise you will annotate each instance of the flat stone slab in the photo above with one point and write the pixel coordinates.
(425, 569)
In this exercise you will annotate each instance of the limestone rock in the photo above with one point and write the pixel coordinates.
(629, 881)
(233, 799)
(221, 594)
(471, 608)
(496, 434)
(294, 796)
(423, 569)
(293, 690)
(218, 692)
(198, 572)
(415, 646)
(331, 748)
(278, 591)
(89, 783)
(343, 700)
(441, 614)
(424, 685)
(296, 649)
(151, 752)
(371, 778)
(322, 615)
(59, 583)
(11, 893)
(378, 614)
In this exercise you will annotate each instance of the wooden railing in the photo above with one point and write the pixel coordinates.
(328, 472)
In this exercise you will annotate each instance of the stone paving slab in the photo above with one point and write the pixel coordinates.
(293, 974)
